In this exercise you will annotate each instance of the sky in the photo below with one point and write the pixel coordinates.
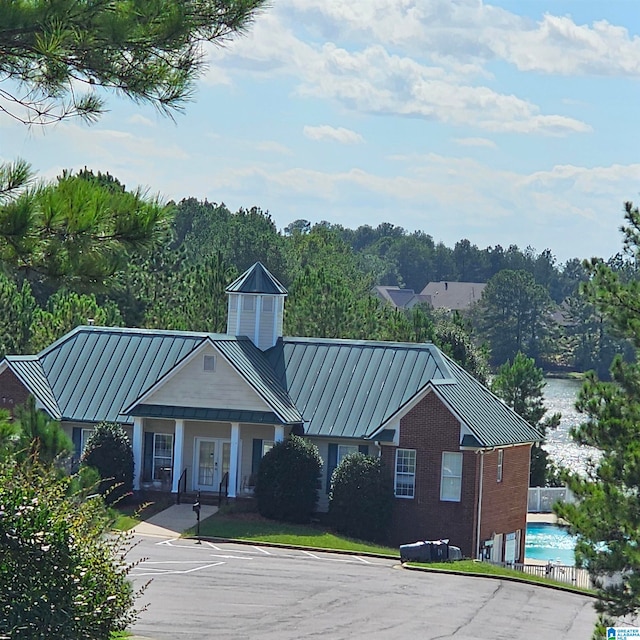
(505, 122)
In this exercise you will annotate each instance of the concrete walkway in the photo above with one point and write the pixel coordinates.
(173, 521)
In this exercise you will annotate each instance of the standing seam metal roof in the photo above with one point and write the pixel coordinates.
(30, 372)
(492, 422)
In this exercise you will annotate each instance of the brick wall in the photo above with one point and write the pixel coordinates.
(431, 429)
(504, 504)
(12, 392)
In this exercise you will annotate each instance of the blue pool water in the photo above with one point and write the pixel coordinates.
(549, 542)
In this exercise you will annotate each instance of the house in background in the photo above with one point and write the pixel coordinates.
(450, 296)
(203, 407)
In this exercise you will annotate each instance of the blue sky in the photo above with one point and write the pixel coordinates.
(504, 123)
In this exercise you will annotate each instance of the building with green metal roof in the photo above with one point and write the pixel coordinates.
(202, 407)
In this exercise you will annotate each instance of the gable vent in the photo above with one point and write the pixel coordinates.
(209, 363)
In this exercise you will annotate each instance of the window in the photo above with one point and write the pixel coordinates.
(248, 303)
(451, 477)
(209, 363)
(500, 463)
(84, 438)
(267, 304)
(405, 477)
(345, 450)
(267, 445)
(162, 456)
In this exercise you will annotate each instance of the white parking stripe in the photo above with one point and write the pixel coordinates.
(266, 553)
(160, 572)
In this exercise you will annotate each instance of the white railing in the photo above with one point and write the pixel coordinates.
(560, 573)
(542, 499)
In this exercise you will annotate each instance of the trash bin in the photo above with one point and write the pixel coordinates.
(439, 550)
(416, 552)
(455, 553)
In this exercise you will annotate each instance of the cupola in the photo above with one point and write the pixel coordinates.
(256, 307)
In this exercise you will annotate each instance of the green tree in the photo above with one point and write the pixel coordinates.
(40, 437)
(54, 56)
(606, 517)
(287, 482)
(60, 575)
(17, 308)
(514, 315)
(520, 384)
(67, 310)
(75, 230)
(109, 452)
(361, 498)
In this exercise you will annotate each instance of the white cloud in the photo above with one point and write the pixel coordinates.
(335, 134)
(271, 146)
(374, 80)
(475, 142)
(139, 119)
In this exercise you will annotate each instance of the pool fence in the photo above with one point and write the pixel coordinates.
(560, 573)
(542, 499)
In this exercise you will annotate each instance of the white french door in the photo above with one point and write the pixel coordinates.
(211, 462)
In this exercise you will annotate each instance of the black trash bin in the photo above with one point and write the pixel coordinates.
(416, 552)
(439, 550)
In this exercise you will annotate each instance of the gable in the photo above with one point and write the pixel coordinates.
(193, 386)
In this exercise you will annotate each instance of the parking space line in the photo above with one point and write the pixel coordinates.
(267, 553)
(213, 546)
(161, 572)
(310, 554)
(215, 555)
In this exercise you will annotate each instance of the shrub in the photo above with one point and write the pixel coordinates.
(361, 498)
(287, 482)
(108, 450)
(60, 575)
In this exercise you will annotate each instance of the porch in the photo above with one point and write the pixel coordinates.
(187, 455)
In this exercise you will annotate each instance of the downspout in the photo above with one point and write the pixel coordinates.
(479, 505)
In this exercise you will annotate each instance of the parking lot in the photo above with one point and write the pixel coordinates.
(213, 590)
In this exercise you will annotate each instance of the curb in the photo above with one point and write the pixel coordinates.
(556, 587)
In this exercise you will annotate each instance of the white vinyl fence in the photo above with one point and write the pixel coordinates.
(542, 499)
(560, 573)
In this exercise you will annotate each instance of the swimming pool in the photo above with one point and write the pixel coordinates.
(549, 542)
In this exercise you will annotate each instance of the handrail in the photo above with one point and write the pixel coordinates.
(225, 482)
(183, 476)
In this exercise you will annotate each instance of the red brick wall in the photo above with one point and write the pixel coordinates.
(431, 429)
(504, 504)
(12, 392)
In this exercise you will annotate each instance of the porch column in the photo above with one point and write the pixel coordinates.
(178, 449)
(137, 452)
(278, 433)
(233, 462)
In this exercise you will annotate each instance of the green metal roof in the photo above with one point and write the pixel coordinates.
(201, 413)
(96, 371)
(350, 388)
(256, 279)
(250, 362)
(335, 388)
(492, 422)
(30, 372)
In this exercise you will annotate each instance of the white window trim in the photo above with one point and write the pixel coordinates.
(267, 445)
(248, 303)
(155, 457)
(500, 465)
(450, 475)
(405, 474)
(85, 434)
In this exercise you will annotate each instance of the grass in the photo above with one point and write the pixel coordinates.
(128, 513)
(474, 567)
(250, 526)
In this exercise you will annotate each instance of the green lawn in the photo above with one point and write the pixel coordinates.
(127, 515)
(256, 529)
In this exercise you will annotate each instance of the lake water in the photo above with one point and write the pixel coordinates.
(560, 396)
